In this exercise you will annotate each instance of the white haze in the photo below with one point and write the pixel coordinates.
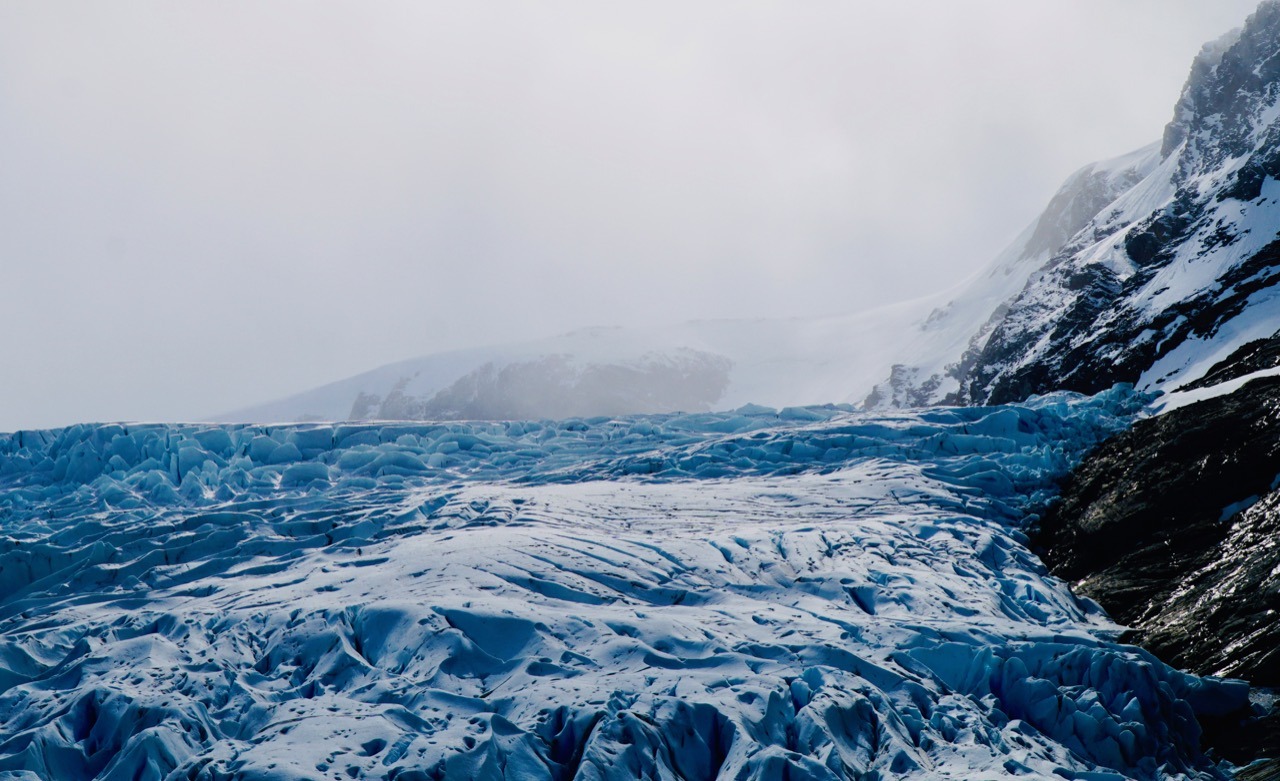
(206, 205)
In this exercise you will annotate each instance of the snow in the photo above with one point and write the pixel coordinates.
(902, 355)
(811, 593)
(1190, 272)
(938, 344)
(773, 361)
(777, 362)
(1179, 399)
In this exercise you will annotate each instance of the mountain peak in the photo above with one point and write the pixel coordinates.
(1175, 268)
(1232, 81)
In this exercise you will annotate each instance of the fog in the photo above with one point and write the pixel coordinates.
(207, 205)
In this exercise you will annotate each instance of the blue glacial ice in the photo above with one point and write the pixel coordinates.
(804, 594)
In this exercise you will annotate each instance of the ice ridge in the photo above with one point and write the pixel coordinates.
(806, 594)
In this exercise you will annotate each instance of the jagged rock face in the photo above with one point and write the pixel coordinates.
(1184, 499)
(1173, 528)
(1250, 358)
(1215, 117)
(1171, 270)
(1104, 332)
(938, 366)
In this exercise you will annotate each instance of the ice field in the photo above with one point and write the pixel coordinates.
(805, 594)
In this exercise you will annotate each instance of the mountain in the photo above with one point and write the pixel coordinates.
(1172, 286)
(943, 348)
(1148, 269)
(727, 363)
(697, 366)
(1175, 273)
(916, 353)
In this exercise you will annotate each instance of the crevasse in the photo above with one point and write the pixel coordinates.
(807, 594)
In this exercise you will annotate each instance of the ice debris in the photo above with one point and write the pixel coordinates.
(751, 595)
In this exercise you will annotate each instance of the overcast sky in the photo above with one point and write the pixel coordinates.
(207, 205)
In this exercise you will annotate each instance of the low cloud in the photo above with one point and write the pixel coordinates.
(206, 205)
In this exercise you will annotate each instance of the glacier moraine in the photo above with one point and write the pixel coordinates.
(810, 594)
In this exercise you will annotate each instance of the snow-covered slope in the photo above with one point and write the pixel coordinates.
(914, 353)
(942, 349)
(1150, 268)
(923, 346)
(808, 594)
(711, 364)
(1178, 272)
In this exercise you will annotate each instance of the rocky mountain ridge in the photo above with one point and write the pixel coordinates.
(1175, 273)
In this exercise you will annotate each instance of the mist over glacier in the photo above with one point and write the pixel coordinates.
(205, 208)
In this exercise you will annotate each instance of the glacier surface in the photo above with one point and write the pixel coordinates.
(809, 593)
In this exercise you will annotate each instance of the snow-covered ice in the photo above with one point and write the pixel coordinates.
(808, 594)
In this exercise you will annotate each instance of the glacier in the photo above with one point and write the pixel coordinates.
(805, 593)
